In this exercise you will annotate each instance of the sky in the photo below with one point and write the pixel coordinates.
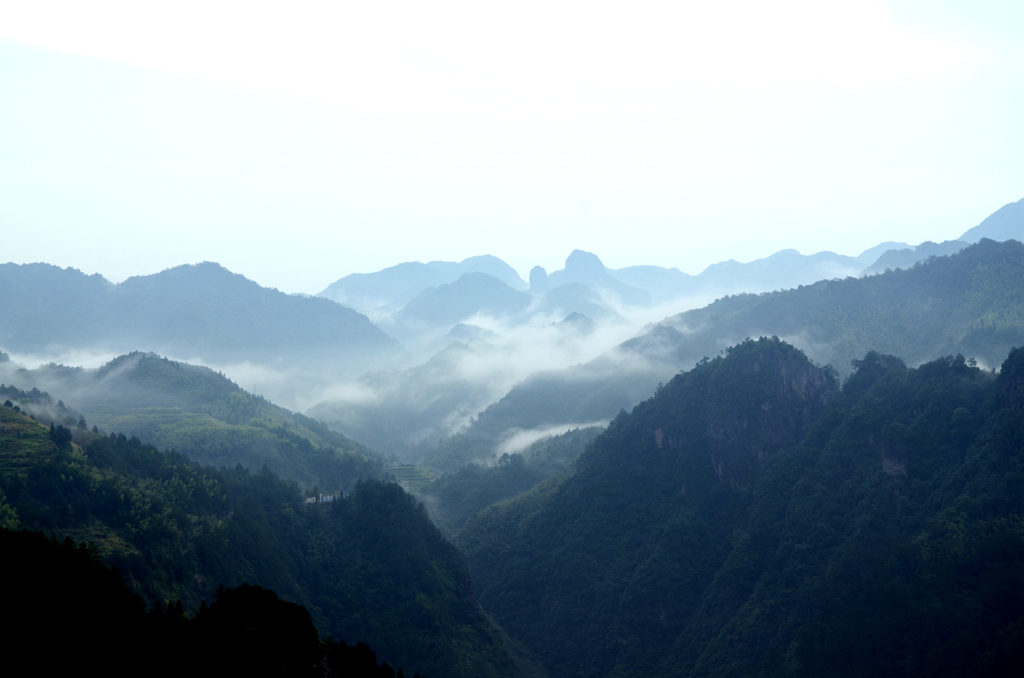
(298, 142)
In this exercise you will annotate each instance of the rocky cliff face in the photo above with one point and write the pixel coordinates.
(763, 401)
(749, 515)
(642, 526)
(733, 413)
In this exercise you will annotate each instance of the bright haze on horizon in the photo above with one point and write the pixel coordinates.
(296, 143)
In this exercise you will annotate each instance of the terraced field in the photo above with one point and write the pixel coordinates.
(411, 478)
(20, 439)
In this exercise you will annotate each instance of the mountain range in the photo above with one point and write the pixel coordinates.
(819, 473)
(413, 299)
(389, 291)
(368, 566)
(200, 311)
(971, 302)
(394, 287)
(754, 517)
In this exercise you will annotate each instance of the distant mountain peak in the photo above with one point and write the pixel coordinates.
(580, 262)
(198, 310)
(1006, 223)
(395, 286)
(201, 267)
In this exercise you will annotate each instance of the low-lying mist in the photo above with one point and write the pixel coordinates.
(406, 411)
(444, 378)
(521, 439)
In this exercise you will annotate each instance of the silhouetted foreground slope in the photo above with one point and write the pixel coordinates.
(754, 519)
(71, 614)
(369, 566)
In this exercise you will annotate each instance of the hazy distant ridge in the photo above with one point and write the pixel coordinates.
(971, 303)
(194, 311)
(1006, 223)
(395, 286)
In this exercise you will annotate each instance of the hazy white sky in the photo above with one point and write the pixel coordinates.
(298, 142)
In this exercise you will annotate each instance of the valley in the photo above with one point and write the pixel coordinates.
(595, 472)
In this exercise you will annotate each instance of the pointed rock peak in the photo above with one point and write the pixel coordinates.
(583, 262)
(538, 279)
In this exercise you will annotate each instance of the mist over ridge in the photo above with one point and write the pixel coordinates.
(468, 333)
(585, 376)
(533, 340)
(492, 403)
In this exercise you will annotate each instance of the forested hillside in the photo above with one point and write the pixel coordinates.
(472, 483)
(369, 566)
(752, 518)
(200, 413)
(971, 302)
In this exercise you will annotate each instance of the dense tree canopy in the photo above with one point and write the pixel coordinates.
(368, 566)
(752, 518)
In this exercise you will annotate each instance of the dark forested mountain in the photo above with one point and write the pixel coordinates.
(396, 286)
(1006, 223)
(475, 478)
(369, 566)
(971, 302)
(247, 630)
(195, 311)
(752, 518)
(197, 412)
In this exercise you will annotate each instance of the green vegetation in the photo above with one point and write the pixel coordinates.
(411, 478)
(412, 403)
(457, 495)
(204, 415)
(369, 566)
(754, 519)
(456, 451)
(970, 303)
